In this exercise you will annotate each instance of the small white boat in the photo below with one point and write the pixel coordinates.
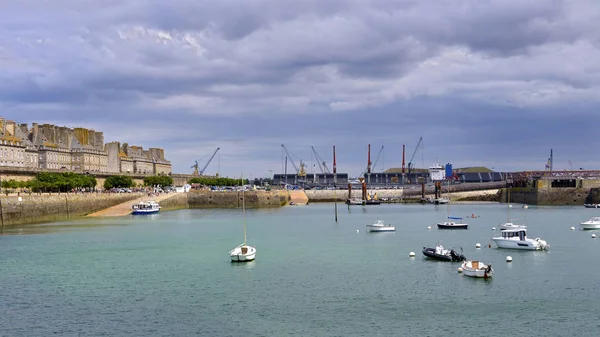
(477, 269)
(380, 226)
(243, 253)
(591, 205)
(591, 223)
(517, 239)
(145, 207)
(510, 225)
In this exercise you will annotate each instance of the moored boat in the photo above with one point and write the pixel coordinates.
(510, 225)
(591, 223)
(440, 253)
(477, 269)
(517, 239)
(591, 205)
(355, 202)
(380, 226)
(145, 207)
(452, 224)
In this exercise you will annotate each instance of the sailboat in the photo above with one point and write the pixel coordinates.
(509, 224)
(452, 222)
(243, 252)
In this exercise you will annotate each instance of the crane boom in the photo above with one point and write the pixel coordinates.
(377, 159)
(411, 164)
(290, 157)
(211, 158)
(320, 161)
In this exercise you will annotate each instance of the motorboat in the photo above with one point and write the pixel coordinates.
(591, 223)
(517, 239)
(441, 201)
(380, 226)
(145, 207)
(510, 225)
(452, 224)
(591, 205)
(440, 253)
(477, 269)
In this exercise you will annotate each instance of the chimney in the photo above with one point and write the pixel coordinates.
(24, 128)
(35, 131)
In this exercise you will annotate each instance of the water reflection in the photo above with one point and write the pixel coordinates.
(247, 265)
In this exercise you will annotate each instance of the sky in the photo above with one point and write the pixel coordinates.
(495, 83)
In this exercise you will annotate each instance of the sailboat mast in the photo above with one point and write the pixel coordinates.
(244, 210)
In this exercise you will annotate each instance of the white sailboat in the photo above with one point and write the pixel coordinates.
(243, 252)
(509, 222)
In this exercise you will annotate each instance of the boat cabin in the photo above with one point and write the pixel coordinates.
(521, 234)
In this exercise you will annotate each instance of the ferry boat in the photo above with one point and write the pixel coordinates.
(145, 207)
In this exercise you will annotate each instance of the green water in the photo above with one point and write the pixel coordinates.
(170, 275)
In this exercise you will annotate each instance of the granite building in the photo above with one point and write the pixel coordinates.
(79, 149)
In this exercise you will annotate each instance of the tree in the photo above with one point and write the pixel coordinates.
(118, 182)
(161, 181)
(218, 181)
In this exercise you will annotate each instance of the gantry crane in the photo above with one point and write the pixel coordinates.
(371, 165)
(201, 172)
(299, 171)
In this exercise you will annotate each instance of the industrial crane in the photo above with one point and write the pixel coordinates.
(201, 172)
(322, 164)
(299, 171)
(411, 164)
(372, 165)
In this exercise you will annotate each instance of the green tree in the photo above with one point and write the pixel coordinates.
(118, 182)
(160, 180)
(218, 181)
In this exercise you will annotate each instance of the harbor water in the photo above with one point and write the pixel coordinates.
(169, 274)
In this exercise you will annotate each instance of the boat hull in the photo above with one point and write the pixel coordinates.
(242, 254)
(376, 229)
(447, 255)
(591, 205)
(589, 226)
(529, 244)
(138, 212)
(452, 226)
(477, 269)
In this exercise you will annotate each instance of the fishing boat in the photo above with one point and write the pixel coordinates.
(477, 269)
(591, 223)
(145, 207)
(517, 239)
(244, 252)
(380, 226)
(439, 253)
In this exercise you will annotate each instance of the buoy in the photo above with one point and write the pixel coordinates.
(510, 206)
(412, 254)
(477, 245)
(509, 259)
(460, 269)
(525, 206)
(357, 231)
(493, 228)
(428, 227)
(593, 236)
(572, 228)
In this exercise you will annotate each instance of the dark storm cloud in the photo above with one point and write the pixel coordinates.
(475, 79)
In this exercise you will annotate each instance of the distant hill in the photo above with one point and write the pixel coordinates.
(456, 169)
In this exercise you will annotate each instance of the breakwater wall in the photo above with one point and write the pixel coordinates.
(550, 196)
(232, 199)
(341, 195)
(29, 209)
